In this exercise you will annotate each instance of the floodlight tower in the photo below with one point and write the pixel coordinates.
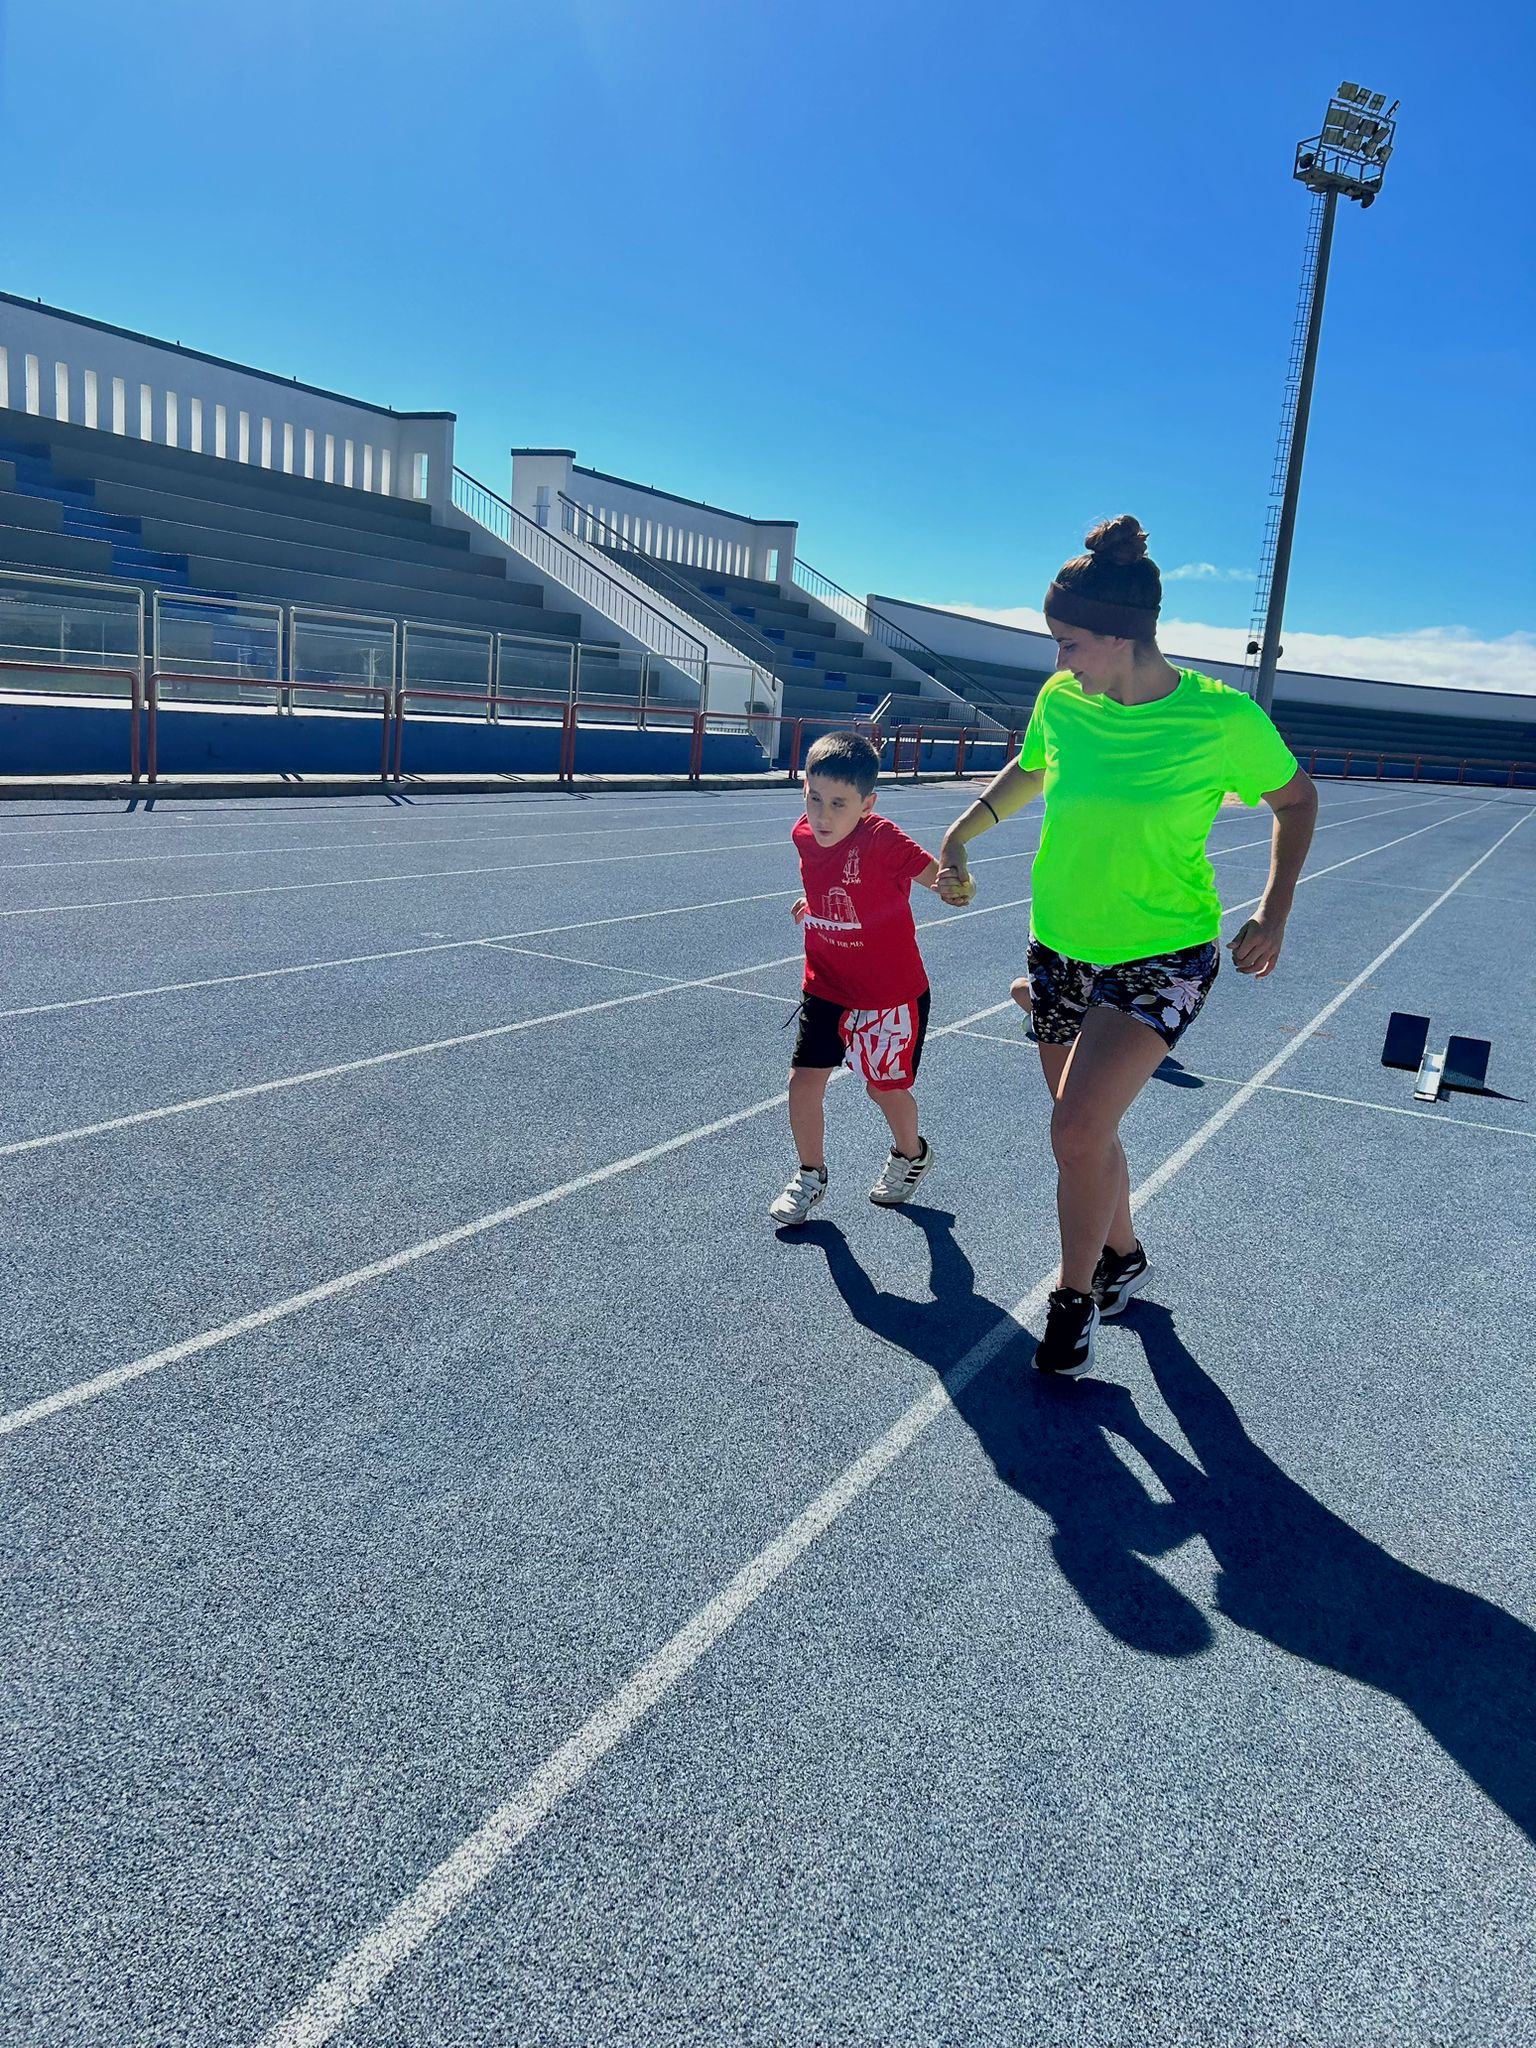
(1349, 157)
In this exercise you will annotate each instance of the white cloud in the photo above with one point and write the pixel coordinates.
(1206, 572)
(1452, 656)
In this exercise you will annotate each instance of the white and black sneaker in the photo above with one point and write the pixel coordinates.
(799, 1197)
(900, 1175)
(1117, 1277)
(1071, 1319)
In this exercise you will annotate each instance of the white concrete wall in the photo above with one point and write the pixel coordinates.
(59, 366)
(955, 634)
(656, 523)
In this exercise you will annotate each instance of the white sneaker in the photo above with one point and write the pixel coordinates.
(800, 1197)
(899, 1176)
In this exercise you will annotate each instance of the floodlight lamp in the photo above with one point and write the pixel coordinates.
(1367, 199)
(1378, 101)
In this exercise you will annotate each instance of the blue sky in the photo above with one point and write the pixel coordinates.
(943, 284)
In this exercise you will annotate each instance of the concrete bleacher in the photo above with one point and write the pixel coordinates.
(81, 502)
(828, 670)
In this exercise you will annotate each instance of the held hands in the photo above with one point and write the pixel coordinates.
(1256, 947)
(799, 910)
(956, 884)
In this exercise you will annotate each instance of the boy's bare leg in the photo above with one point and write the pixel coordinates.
(900, 1109)
(807, 1113)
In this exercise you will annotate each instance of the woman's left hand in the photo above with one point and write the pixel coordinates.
(1256, 947)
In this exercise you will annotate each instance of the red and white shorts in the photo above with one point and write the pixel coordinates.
(883, 1046)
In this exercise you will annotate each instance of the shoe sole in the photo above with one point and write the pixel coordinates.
(1127, 1291)
(895, 1201)
(794, 1222)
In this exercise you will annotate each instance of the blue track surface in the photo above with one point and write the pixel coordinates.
(1191, 1703)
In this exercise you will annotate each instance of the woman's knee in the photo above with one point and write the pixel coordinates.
(1080, 1137)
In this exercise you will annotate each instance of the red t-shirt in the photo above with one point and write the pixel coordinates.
(860, 941)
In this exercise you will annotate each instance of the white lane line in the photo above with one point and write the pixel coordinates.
(47, 1141)
(172, 988)
(280, 1083)
(176, 988)
(352, 1982)
(384, 839)
(515, 867)
(84, 1391)
(716, 988)
(386, 881)
(384, 843)
(1445, 1120)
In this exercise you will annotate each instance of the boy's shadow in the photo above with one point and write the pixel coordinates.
(1289, 1569)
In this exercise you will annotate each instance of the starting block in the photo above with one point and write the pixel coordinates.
(1463, 1064)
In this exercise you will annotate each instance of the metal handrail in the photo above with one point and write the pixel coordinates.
(732, 630)
(873, 620)
(46, 579)
(626, 610)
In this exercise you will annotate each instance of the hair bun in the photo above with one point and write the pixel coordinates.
(1119, 540)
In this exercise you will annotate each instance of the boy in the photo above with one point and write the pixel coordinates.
(865, 999)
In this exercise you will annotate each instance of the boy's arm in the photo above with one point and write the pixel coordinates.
(929, 878)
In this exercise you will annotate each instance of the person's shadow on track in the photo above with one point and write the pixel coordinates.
(1290, 1570)
(1046, 1438)
(1294, 1572)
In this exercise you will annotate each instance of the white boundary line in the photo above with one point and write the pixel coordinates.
(84, 1391)
(282, 1082)
(352, 1982)
(87, 1390)
(171, 988)
(383, 840)
(1445, 1121)
(442, 875)
(249, 1091)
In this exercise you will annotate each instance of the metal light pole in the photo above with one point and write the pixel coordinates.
(1349, 157)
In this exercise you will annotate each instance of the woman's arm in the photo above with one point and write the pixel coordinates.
(1007, 792)
(1256, 947)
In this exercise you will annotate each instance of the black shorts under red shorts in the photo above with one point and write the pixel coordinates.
(882, 1045)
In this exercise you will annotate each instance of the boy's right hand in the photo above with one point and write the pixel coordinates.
(956, 885)
(799, 910)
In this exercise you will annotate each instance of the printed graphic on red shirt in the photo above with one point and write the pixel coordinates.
(860, 939)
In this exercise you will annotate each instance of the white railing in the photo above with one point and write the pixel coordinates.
(592, 582)
(70, 624)
(56, 366)
(682, 531)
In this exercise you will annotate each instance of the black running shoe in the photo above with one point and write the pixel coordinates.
(1071, 1319)
(1117, 1277)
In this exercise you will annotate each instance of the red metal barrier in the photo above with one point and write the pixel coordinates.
(960, 752)
(696, 747)
(568, 744)
(280, 690)
(492, 703)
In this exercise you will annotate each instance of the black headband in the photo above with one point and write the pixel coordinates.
(1094, 615)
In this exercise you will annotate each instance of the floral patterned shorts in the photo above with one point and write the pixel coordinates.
(1167, 992)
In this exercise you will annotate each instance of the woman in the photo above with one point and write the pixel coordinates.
(1133, 757)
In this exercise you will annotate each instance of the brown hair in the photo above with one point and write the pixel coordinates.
(846, 757)
(1114, 588)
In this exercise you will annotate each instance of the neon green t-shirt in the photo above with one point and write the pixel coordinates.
(1131, 791)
